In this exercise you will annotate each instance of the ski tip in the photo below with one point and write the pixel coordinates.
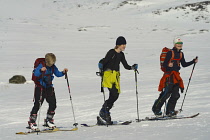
(126, 123)
(21, 133)
(84, 124)
(74, 129)
(197, 114)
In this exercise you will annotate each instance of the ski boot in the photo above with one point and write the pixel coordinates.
(100, 121)
(158, 113)
(32, 123)
(156, 110)
(105, 115)
(49, 121)
(171, 113)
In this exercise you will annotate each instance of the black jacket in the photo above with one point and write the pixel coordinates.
(176, 67)
(112, 61)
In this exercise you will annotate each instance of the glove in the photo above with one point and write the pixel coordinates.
(195, 60)
(182, 90)
(100, 65)
(134, 67)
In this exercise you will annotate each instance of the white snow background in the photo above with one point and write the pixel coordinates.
(80, 33)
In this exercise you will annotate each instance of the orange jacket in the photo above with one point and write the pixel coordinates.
(176, 79)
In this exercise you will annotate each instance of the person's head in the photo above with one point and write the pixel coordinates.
(50, 59)
(178, 43)
(120, 43)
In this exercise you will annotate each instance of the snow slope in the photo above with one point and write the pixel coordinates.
(80, 33)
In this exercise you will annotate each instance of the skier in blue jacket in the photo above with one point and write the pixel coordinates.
(44, 90)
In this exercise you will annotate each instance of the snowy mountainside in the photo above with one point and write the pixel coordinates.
(80, 33)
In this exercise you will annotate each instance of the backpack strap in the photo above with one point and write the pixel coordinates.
(172, 56)
(178, 60)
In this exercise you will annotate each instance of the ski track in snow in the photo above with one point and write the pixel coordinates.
(80, 33)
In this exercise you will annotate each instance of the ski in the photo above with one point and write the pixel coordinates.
(104, 123)
(168, 118)
(67, 129)
(115, 123)
(47, 130)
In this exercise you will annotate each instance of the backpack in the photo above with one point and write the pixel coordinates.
(36, 64)
(163, 56)
(101, 61)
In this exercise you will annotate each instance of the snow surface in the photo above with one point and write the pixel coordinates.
(80, 33)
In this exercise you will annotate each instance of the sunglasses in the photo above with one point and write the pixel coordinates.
(179, 43)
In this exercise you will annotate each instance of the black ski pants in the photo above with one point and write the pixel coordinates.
(113, 96)
(172, 91)
(49, 95)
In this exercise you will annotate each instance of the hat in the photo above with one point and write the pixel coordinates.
(177, 41)
(121, 41)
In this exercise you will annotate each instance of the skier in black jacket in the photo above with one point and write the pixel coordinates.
(111, 75)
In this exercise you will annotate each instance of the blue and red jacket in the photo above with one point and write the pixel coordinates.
(48, 77)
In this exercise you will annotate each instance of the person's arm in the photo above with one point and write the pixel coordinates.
(57, 72)
(124, 62)
(184, 63)
(37, 71)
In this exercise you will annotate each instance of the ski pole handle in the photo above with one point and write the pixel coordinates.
(136, 71)
(66, 77)
(193, 69)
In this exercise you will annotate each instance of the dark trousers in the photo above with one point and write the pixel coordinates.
(49, 95)
(172, 91)
(113, 96)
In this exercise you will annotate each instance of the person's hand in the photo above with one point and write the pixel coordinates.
(195, 60)
(134, 67)
(170, 64)
(182, 90)
(43, 69)
(65, 70)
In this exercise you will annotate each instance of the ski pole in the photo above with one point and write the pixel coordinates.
(40, 100)
(188, 85)
(137, 100)
(66, 77)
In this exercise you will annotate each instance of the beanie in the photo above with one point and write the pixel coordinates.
(177, 41)
(121, 41)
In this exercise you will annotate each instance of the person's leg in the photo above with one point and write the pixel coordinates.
(113, 96)
(173, 99)
(51, 99)
(35, 109)
(164, 95)
(37, 97)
